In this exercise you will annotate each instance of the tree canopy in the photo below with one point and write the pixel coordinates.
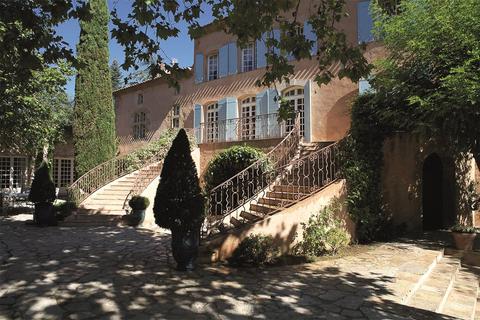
(431, 77)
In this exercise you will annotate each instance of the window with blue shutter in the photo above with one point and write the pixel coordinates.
(232, 58)
(364, 22)
(198, 68)
(309, 34)
(261, 51)
(197, 120)
(223, 61)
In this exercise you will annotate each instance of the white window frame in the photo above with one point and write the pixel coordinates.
(57, 172)
(249, 51)
(176, 116)
(296, 97)
(12, 185)
(139, 125)
(212, 67)
(212, 122)
(248, 114)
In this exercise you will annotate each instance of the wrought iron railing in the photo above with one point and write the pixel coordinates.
(258, 127)
(283, 186)
(247, 184)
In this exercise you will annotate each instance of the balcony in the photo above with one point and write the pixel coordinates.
(243, 129)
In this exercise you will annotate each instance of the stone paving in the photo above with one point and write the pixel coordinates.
(126, 273)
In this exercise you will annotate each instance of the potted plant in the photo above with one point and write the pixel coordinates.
(463, 236)
(138, 204)
(42, 194)
(179, 203)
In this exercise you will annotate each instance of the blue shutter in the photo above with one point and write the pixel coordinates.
(222, 117)
(364, 22)
(198, 68)
(232, 58)
(231, 115)
(273, 105)
(261, 51)
(276, 36)
(364, 86)
(309, 34)
(197, 120)
(223, 61)
(308, 110)
(261, 109)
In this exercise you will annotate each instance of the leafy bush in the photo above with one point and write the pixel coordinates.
(63, 209)
(179, 203)
(139, 203)
(255, 250)
(43, 188)
(463, 228)
(323, 234)
(161, 145)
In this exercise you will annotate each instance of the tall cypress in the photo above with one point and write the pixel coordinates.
(94, 116)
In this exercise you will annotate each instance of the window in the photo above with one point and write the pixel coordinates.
(140, 98)
(248, 58)
(212, 122)
(296, 99)
(213, 67)
(248, 119)
(176, 116)
(139, 126)
(62, 172)
(13, 172)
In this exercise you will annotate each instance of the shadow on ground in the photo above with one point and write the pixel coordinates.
(124, 273)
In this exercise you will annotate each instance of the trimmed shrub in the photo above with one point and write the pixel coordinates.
(139, 203)
(179, 203)
(63, 209)
(228, 163)
(324, 234)
(43, 188)
(254, 250)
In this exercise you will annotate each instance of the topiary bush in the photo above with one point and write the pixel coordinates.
(225, 165)
(63, 209)
(254, 250)
(324, 234)
(179, 203)
(43, 188)
(139, 203)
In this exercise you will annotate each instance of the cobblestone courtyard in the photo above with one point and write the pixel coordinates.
(123, 273)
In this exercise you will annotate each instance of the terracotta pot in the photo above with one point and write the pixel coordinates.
(464, 241)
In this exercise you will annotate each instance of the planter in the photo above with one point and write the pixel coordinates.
(463, 241)
(136, 217)
(185, 249)
(44, 214)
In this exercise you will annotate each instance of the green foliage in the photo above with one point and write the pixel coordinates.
(158, 147)
(433, 69)
(254, 250)
(43, 188)
(323, 234)
(286, 111)
(463, 228)
(179, 203)
(229, 162)
(139, 203)
(63, 209)
(94, 117)
(116, 76)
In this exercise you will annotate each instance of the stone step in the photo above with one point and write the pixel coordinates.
(236, 222)
(250, 216)
(462, 298)
(283, 195)
(107, 202)
(290, 188)
(114, 187)
(432, 293)
(115, 196)
(275, 202)
(262, 209)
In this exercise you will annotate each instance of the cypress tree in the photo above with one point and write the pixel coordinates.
(94, 116)
(116, 75)
(179, 203)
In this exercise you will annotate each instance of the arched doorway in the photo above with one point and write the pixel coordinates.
(432, 194)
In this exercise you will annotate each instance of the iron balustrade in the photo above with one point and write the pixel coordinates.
(248, 183)
(275, 189)
(258, 127)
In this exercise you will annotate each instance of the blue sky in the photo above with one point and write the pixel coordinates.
(180, 48)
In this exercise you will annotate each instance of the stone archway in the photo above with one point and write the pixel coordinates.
(432, 192)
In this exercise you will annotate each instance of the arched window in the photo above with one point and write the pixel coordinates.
(247, 118)
(139, 126)
(296, 98)
(212, 122)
